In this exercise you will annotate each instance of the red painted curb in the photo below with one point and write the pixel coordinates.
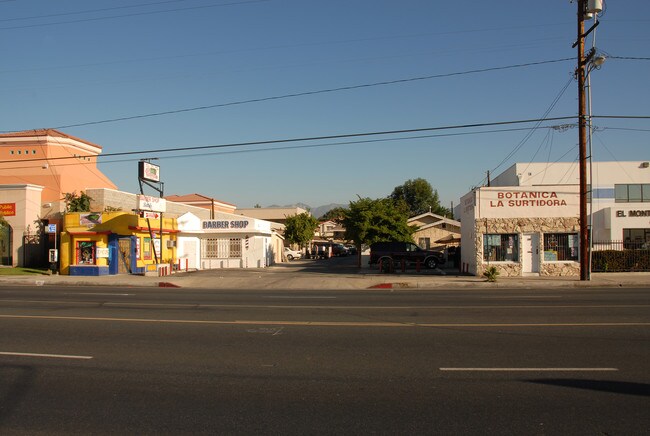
(382, 286)
(167, 285)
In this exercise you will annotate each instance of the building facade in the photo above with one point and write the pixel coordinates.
(37, 169)
(227, 241)
(527, 221)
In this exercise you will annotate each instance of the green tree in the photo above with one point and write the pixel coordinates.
(419, 197)
(299, 229)
(335, 214)
(367, 221)
(77, 203)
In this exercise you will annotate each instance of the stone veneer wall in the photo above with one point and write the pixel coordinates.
(520, 226)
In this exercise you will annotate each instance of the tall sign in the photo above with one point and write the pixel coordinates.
(149, 174)
(148, 171)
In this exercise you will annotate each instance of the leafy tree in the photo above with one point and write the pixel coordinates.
(367, 221)
(299, 229)
(335, 214)
(77, 203)
(419, 197)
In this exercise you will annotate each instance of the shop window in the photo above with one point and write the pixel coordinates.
(636, 238)
(210, 248)
(561, 247)
(632, 193)
(501, 248)
(221, 248)
(146, 248)
(85, 252)
(235, 247)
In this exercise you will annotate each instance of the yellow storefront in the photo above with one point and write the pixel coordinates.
(105, 243)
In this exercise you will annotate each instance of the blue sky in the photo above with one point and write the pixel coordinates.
(77, 62)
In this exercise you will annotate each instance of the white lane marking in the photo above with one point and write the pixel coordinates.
(99, 293)
(302, 297)
(521, 297)
(529, 369)
(57, 356)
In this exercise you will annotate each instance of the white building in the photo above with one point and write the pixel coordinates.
(227, 241)
(527, 220)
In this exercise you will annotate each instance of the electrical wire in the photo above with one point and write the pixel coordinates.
(308, 139)
(83, 20)
(89, 11)
(315, 92)
(532, 130)
(292, 147)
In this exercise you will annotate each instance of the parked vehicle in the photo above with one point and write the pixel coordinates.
(339, 250)
(292, 254)
(392, 253)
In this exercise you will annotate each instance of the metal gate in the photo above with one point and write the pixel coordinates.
(620, 256)
(124, 256)
(6, 249)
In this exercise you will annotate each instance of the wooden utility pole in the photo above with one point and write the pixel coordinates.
(582, 145)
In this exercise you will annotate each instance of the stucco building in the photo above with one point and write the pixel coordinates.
(527, 221)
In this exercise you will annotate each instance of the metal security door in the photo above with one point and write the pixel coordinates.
(531, 253)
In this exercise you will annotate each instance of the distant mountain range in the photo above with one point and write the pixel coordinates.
(317, 212)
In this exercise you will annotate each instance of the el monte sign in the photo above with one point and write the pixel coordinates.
(633, 213)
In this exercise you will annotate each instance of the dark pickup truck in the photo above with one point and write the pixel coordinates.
(392, 253)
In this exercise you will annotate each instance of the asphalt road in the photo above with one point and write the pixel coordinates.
(84, 360)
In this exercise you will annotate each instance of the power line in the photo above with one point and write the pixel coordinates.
(89, 11)
(288, 147)
(533, 129)
(627, 117)
(307, 139)
(82, 20)
(315, 92)
(629, 58)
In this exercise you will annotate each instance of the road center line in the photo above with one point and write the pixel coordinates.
(57, 356)
(328, 307)
(528, 369)
(328, 323)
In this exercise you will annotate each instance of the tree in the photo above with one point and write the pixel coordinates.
(368, 221)
(77, 203)
(299, 229)
(419, 197)
(335, 214)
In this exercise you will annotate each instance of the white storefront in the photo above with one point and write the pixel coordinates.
(527, 221)
(227, 241)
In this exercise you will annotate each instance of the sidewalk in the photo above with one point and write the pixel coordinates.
(281, 277)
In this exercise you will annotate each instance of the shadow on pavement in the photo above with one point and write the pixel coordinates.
(617, 387)
(349, 265)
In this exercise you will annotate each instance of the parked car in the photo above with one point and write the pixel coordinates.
(339, 250)
(292, 254)
(393, 253)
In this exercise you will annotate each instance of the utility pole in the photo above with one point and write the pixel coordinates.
(586, 9)
(582, 143)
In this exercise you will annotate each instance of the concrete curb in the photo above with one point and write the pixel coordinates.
(297, 280)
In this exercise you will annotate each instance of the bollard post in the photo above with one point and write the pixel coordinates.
(417, 265)
(403, 265)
